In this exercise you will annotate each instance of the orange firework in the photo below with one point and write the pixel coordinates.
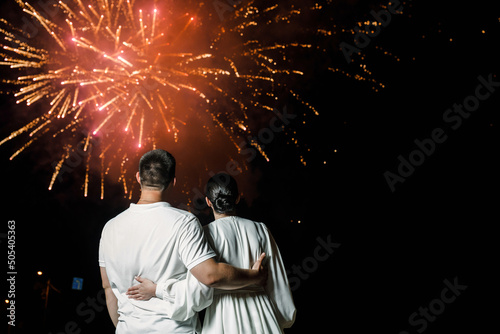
(115, 80)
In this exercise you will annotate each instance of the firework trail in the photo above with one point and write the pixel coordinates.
(117, 78)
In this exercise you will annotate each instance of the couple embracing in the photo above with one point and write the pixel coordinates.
(159, 267)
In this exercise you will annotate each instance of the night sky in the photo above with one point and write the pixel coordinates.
(393, 246)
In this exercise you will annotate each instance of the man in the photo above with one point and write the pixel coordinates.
(152, 239)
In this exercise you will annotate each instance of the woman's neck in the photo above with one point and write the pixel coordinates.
(222, 215)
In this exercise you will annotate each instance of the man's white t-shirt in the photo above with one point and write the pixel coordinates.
(158, 242)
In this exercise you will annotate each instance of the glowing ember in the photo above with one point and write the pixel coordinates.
(118, 79)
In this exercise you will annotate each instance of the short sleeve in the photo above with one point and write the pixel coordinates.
(193, 247)
(102, 262)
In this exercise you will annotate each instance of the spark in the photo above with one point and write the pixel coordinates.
(114, 77)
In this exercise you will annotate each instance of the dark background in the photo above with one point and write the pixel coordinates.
(397, 248)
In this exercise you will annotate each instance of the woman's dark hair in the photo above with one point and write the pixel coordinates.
(157, 169)
(222, 191)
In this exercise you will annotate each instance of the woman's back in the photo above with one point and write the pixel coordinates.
(238, 242)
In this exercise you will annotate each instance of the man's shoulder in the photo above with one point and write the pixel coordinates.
(115, 220)
(181, 214)
(180, 219)
(166, 214)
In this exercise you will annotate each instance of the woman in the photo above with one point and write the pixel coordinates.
(239, 241)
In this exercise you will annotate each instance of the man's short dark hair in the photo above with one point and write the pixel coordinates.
(156, 169)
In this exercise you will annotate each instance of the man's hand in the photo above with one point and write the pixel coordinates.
(144, 291)
(262, 271)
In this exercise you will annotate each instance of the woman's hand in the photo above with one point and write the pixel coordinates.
(143, 291)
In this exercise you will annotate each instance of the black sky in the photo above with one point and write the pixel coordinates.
(396, 247)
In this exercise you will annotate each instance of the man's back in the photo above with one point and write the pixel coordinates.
(155, 241)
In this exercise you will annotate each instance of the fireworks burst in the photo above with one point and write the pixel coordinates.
(114, 77)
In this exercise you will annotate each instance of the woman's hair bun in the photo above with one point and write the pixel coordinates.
(223, 203)
(222, 191)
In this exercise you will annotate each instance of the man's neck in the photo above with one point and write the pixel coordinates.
(151, 196)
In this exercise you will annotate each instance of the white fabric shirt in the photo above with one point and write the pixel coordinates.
(239, 242)
(158, 242)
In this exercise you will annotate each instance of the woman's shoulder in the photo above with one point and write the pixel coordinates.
(245, 220)
(229, 222)
(249, 222)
